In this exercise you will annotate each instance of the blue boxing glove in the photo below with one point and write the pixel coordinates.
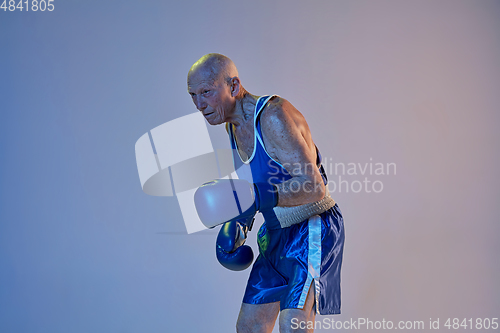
(230, 249)
(226, 200)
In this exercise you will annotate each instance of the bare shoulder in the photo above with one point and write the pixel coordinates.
(280, 114)
(278, 105)
(286, 135)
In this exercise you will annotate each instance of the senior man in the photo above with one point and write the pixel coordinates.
(297, 272)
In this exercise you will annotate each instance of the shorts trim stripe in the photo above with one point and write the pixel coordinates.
(313, 261)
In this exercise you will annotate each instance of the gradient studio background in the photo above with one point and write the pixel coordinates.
(83, 249)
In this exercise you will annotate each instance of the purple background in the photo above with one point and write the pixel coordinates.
(83, 249)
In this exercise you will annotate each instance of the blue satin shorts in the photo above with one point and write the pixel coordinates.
(293, 259)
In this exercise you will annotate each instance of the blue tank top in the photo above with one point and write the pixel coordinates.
(263, 168)
(260, 167)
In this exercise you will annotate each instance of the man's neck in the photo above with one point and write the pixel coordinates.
(244, 110)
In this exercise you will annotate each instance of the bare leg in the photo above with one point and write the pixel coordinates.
(291, 320)
(257, 318)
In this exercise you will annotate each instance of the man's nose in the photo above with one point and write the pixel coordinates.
(200, 103)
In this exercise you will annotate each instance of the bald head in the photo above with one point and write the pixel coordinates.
(215, 67)
(215, 87)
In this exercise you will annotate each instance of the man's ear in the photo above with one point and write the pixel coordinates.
(235, 86)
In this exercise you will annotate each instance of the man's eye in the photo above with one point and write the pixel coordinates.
(206, 91)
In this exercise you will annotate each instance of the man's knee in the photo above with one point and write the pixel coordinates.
(248, 326)
(296, 320)
(253, 325)
(257, 318)
(242, 326)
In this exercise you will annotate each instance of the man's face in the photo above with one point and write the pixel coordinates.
(213, 99)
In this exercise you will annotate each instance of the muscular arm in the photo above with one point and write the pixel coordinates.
(288, 140)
